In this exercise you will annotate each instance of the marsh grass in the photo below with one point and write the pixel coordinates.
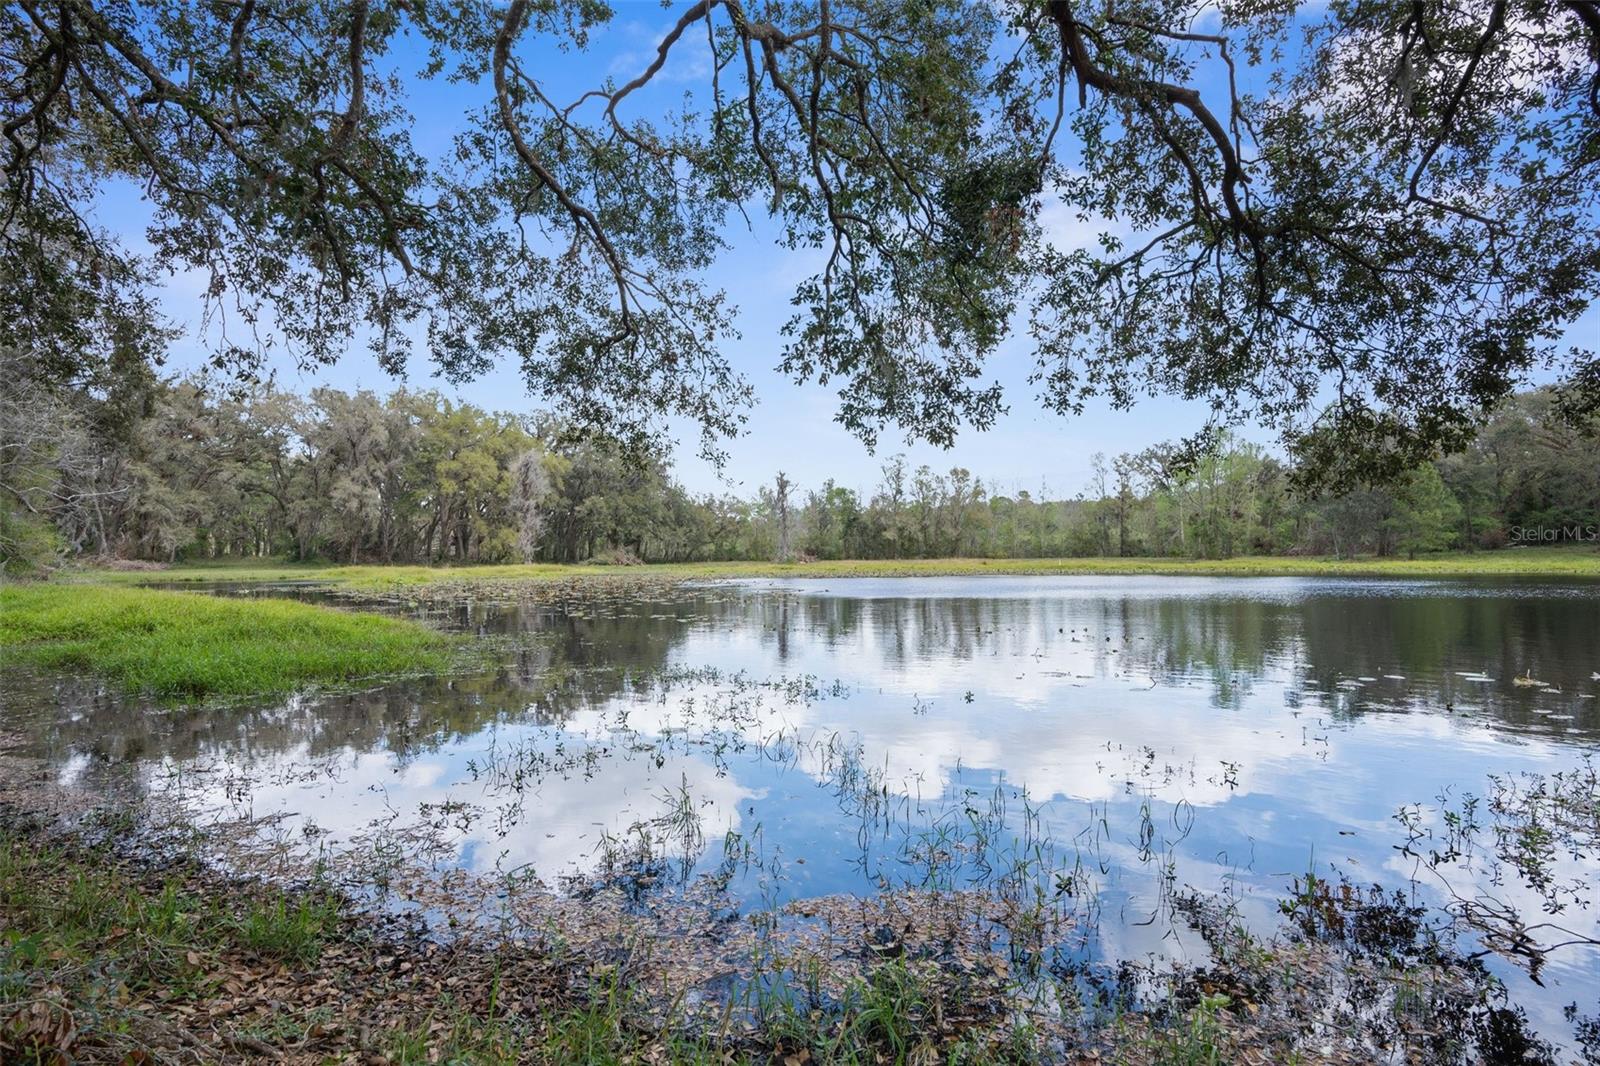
(1197, 1040)
(181, 646)
(1558, 562)
(91, 948)
(109, 959)
(82, 944)
(103, 959)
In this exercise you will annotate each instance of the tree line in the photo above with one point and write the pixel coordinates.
(165, 470)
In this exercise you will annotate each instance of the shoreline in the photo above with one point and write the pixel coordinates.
(1551, 563)
(137, 932)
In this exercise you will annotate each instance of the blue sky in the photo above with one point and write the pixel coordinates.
(792, 427)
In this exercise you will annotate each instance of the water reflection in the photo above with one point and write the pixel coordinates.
(1106, 739)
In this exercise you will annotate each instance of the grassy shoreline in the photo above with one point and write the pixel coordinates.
(1580, 562)
(178, 646)
(117, 953)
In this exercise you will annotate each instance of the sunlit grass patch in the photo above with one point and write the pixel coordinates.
(185, 646)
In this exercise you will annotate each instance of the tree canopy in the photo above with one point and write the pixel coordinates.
(1364, 225)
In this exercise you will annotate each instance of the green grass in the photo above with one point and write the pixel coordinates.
(1199, 1039)
(90, 950)
(101, 956)
(1583, 562)
(83, 944)
(186, 646)
(280, 929)
(111, 957)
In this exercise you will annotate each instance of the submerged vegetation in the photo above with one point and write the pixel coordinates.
(183, 646)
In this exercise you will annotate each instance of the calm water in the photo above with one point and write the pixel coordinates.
(1110, 739)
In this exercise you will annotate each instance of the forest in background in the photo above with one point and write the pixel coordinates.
(167, 470)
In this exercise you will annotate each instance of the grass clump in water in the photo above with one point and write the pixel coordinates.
(187, 646)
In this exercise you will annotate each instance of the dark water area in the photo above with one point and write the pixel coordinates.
(1103, 742)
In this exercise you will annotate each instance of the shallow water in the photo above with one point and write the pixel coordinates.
(1101, 742)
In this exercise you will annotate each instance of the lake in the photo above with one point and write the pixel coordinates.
(1100, 745)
